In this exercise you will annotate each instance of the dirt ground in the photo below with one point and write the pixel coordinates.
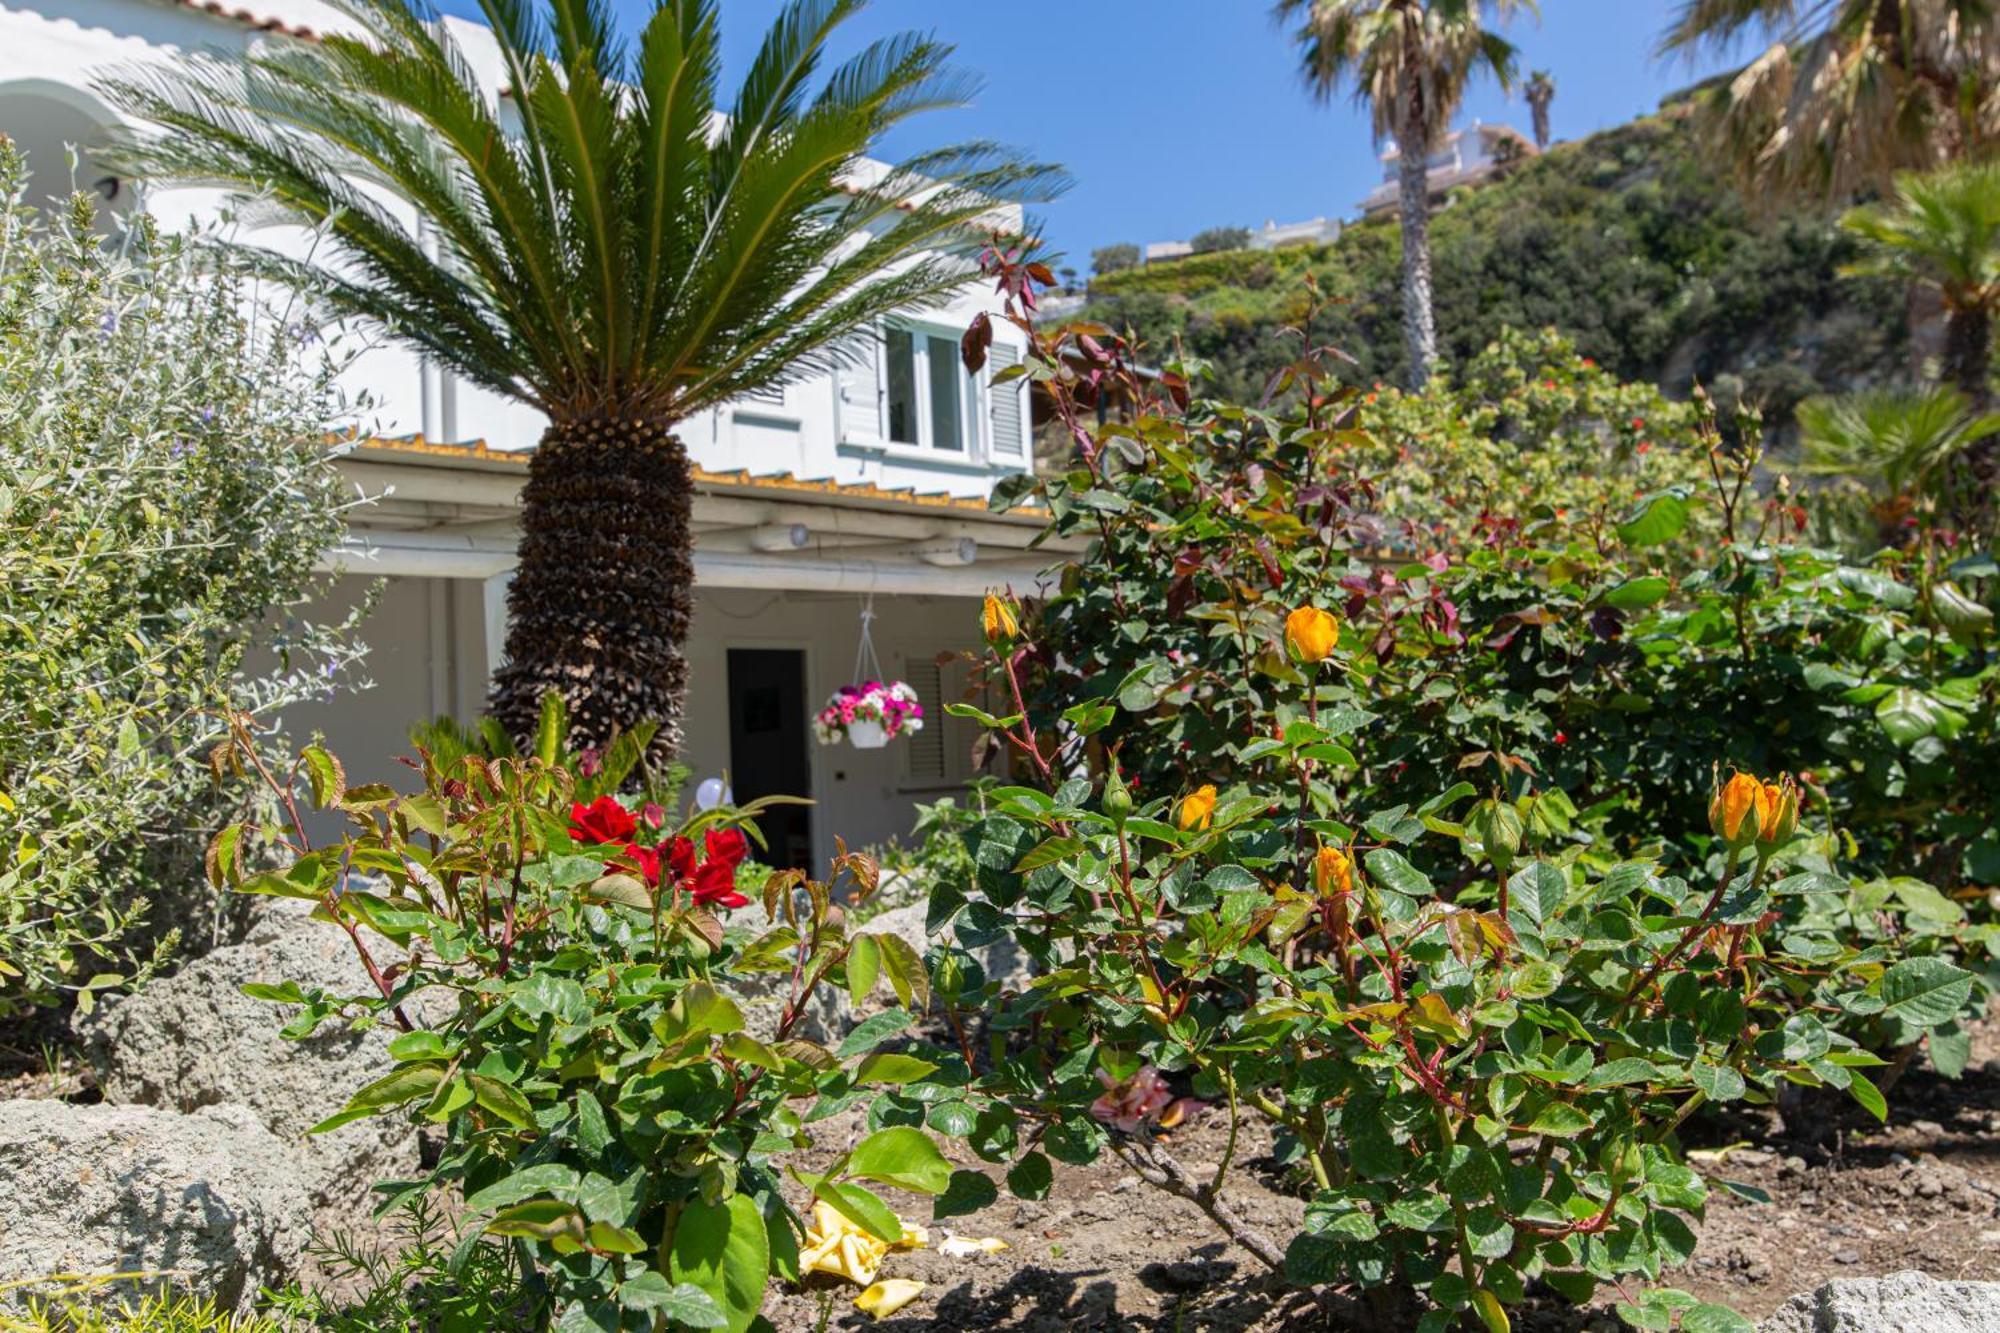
(1105, 1253)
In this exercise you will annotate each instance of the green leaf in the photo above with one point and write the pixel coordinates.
(889, 1067)
(1032, 1177)
(529, 1181)
(539, 1219)
(681, 1304)
(860, 1206)
(864, 964)
(1638, 594)
(903, 1156)
(1908, 715)
(404, 1084)
(1393, 871)
(1715, 1319)
(871, 1030)
(907, 975)
(1868, 1095)
(1925, 992)
(723, 1250)
(1050, 852)
(968, 1192)
(1718, 1083)
(1559, 1120)
(501, 1100)
(1657, 518)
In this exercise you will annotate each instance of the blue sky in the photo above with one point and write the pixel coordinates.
(1174, 115)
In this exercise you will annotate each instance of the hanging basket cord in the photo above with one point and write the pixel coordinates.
(865, 659)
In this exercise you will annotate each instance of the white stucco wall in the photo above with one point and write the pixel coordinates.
(428, 648)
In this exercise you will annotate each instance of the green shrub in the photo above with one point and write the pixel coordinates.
(154, 1314)
(560, 981)
(1299, 832)
(428, 1278)
(166, 487)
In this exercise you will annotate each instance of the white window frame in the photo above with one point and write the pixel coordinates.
(973, 406)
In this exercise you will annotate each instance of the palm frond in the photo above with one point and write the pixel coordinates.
(622, 247)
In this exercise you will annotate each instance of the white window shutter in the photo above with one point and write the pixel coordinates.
(1009, 404)
(859, 382)
(925, 751)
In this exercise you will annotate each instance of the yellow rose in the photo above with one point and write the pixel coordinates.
(835, 1245)
(1333, 872)
(1777, 811)
(1737, 810)
(1312, 633)
(1198, 809)
(888, 1296)
(997, 619)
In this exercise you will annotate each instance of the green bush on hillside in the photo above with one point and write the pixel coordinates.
(1629, 243)
(166, 487)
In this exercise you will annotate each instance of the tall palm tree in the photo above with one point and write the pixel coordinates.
(1541, 91)
(604, 240)
(1410, 61)
(1850, 92)
(1944, 229)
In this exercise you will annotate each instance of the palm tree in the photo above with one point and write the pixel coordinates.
(1850, 92)
(1410, 61)
(1896, 449)
(602, 242)
(1541, 91)
(1944, 229)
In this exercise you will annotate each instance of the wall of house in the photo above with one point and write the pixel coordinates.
(428, 656)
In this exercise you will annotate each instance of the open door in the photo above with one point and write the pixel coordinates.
(769, 751)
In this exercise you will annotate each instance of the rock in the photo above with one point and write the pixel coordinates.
(214, 1196)
(1908, 1302)
(1001, 961)
(762, 995)
(194, 1039)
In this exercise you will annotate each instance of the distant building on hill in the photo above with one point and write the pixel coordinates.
(1463, 157)
(1271, 236)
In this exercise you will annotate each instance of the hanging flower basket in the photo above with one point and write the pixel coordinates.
(870, 715)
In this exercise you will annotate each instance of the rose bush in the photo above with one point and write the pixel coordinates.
(1606, 658)
(1351, 843)
(560, 972)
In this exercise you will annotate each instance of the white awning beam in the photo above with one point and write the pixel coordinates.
(451, 556)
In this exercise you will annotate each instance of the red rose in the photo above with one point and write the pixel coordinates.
(713, 882)
(602, 821)
(645, 860)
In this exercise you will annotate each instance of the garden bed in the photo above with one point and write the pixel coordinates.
(1104, 1253)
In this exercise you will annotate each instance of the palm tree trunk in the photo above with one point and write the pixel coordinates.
(1968, 353)
(603, 594)
(1413, 188)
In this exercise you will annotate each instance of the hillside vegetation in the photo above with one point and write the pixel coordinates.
(1627, 242)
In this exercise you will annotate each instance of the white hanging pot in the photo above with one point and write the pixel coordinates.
(866, 733)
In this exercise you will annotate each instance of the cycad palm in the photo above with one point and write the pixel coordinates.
(1410, 61)
(1850, 91)
(1944, 229)
(614, 251)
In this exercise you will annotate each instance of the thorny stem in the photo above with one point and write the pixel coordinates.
(1152, 1164)
(1692, 933)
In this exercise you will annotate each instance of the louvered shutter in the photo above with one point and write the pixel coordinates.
(860, 381)
(1009, 400)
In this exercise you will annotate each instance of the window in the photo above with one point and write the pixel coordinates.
(902, 386)
(930, 397)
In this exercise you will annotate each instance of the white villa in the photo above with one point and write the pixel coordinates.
(1462, 157)
(866, 487)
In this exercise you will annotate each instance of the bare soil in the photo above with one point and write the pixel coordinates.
(1106, 1253)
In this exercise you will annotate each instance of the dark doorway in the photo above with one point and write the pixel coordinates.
(768, 755)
